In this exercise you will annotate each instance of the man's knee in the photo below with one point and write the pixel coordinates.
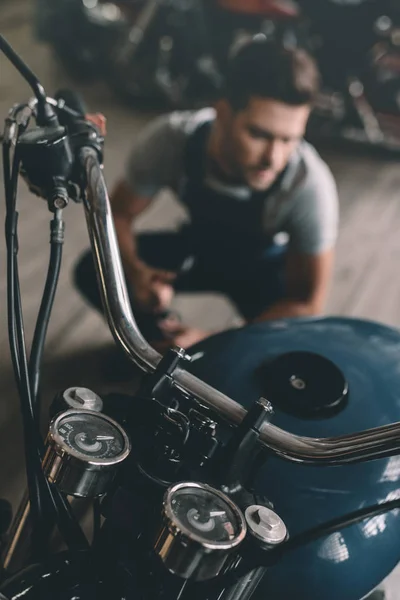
(84, 277)
(83, 270)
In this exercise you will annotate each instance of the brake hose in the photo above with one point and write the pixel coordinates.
(267, 559)
(40, 491)
(39, 337)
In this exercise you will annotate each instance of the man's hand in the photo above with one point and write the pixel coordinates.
(189, 336)
(307, 281)
(182, 335)
(152, 288)
(99, 121)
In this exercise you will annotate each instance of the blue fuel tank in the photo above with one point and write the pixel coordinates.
(325, 377)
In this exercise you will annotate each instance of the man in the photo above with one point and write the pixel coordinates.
(262, 203)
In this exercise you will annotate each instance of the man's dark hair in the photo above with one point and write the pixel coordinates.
(267, 70)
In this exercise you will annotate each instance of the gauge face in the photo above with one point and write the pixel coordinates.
(91, 435)
(204, 514)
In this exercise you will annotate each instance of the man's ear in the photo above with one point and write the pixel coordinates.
(224, 111)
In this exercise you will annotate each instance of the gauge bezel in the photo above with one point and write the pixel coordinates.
(55, 439)
(179, 530)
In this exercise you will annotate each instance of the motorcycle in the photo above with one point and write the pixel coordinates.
(233, 473)
(173, 53)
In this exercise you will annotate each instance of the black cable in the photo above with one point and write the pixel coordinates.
(46, 306)
(10, 183)
(40, 491)
(49, 504)
(268, 558)
(15, 307)
(45, 113)
(67, 524)
(39, 488)
(41, 494)
(17, 346)
(96, 521)
(25, 71)
(10, 227)
(32, 452)
(337, 524)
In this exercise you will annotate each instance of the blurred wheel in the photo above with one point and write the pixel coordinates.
(143, 67)
(80, 33)
(134, 80)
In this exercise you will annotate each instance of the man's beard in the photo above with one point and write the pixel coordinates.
(228, 168)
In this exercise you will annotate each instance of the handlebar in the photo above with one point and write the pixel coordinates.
(366, 445)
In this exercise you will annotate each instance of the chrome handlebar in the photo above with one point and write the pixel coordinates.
(374, 443)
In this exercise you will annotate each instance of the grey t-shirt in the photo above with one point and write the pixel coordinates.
(302, 210)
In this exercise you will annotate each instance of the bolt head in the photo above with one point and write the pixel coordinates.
(265, 525)
(80, 397)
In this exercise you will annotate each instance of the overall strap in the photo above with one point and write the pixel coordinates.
(195, 152)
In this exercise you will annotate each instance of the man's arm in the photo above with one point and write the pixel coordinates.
(153, 290)
(153, 164)
(126, 206)
(307, 284)
(312, 226)
(307, 281)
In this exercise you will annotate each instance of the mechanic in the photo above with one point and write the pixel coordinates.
(262, 203)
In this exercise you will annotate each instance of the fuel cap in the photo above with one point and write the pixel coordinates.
(305, 384)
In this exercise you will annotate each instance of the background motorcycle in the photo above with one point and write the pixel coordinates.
(186, 502)
(171, 53)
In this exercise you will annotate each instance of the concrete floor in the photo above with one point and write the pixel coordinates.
(365, 283)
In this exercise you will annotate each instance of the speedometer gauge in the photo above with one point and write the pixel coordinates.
(83, 452)
(201, 528)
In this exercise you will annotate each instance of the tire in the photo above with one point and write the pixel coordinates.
(133, 77)
(80, 45)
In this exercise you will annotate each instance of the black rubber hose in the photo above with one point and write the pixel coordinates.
(96, 521)
(40, 492)
(43, 319)
(23, 69)
(49, 504)
(337, 524)
(267, 559)
(10, 183)
(10, 228)
(45, 112)
(32, 448)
